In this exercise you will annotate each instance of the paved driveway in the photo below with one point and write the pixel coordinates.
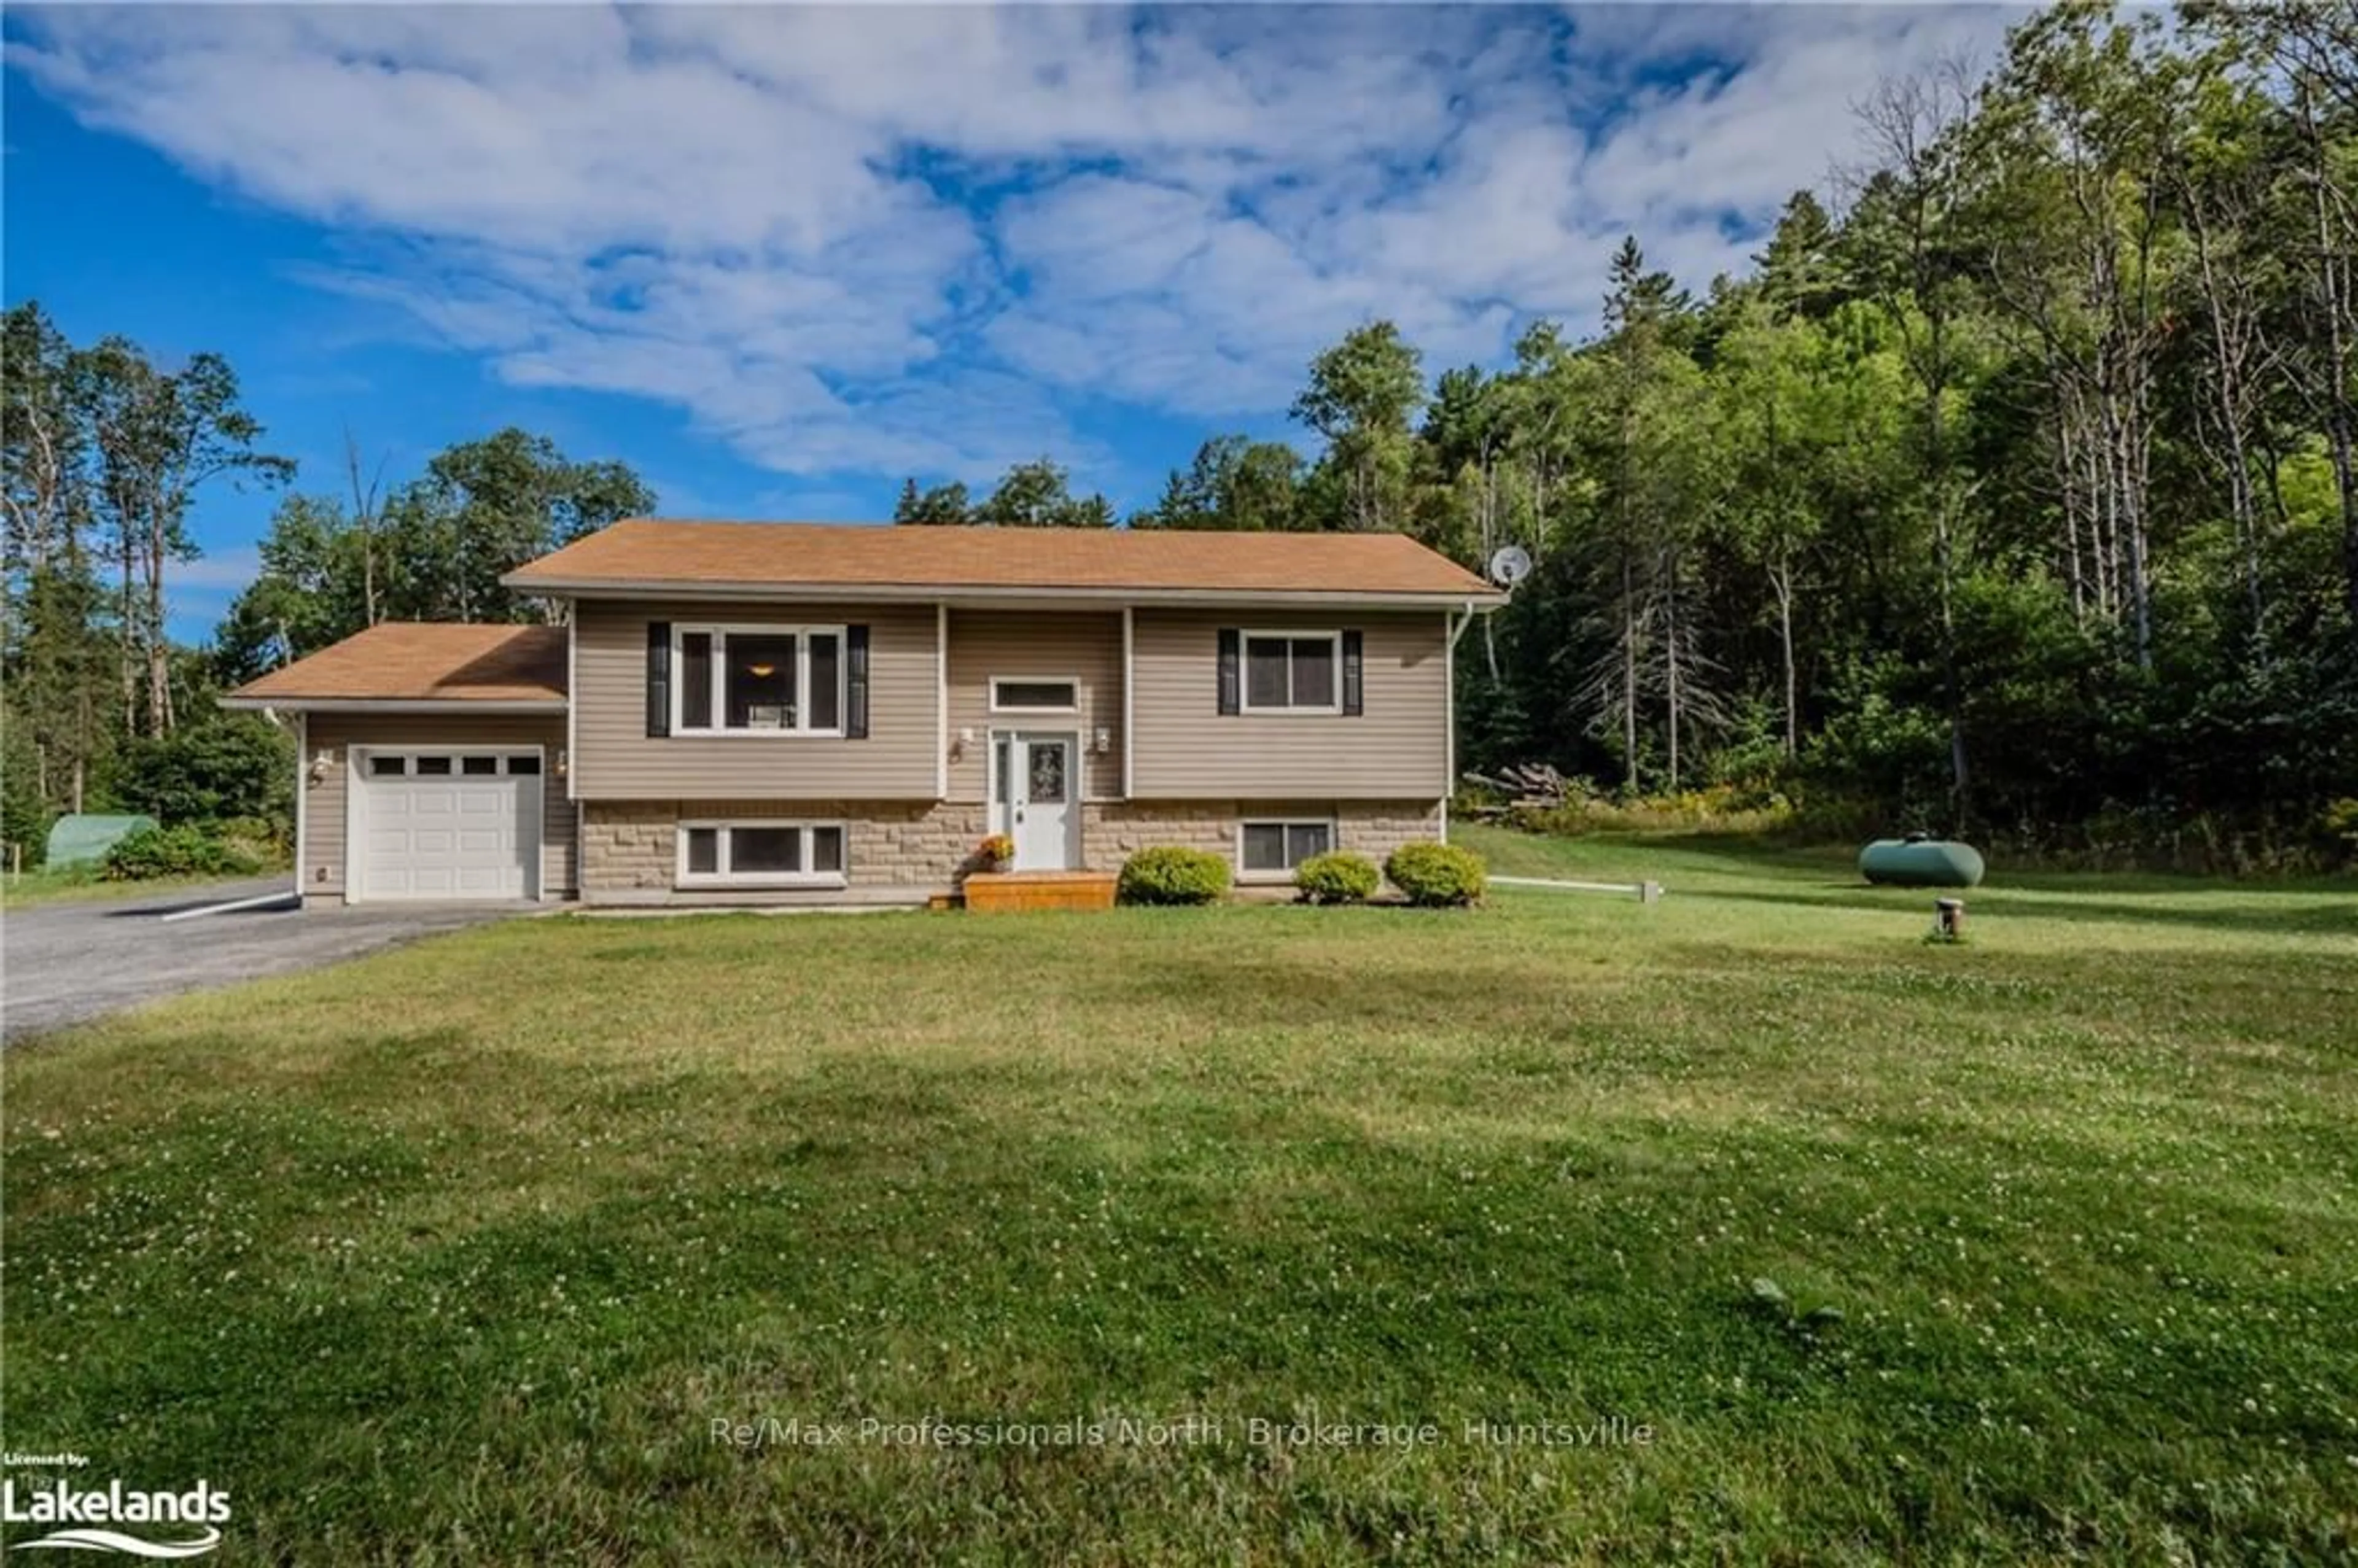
(66, 962)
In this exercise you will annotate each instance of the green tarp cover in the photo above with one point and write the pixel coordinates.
(75, 839)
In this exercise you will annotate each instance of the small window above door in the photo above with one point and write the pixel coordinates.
(1025, 694)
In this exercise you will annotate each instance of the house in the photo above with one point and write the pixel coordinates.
(734, 713)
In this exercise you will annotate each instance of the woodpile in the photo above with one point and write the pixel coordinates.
(1525, 788)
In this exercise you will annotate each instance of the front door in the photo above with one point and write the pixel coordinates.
(1036, 785)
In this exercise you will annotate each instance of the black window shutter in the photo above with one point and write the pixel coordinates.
(658, 677)
(1353, 699)
(855, 683)
(1229, 674)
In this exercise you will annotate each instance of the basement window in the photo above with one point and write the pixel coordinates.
(1275, 849)
(760, 854)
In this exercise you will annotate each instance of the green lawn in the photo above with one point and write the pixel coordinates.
(75, 884)
(457, 1254)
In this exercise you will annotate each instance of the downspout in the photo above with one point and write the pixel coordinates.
(302, 801)
(1449, 743)
(569, 757)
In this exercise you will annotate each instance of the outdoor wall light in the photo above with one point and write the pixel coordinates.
(561, 762)
(1104, 740)
(321, 764)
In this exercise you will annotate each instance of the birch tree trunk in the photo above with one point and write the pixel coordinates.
(1671, 658)
(1780, 578)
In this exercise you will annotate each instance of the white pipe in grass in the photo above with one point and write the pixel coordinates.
(288, 896)
(1644, 892)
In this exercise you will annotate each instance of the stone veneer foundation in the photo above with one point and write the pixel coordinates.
(907, 851)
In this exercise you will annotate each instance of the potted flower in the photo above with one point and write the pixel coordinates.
(995, 853)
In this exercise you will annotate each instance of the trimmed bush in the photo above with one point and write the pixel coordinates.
(1336, 876)
(1434, 873)
(1171, 874)
(183, 851)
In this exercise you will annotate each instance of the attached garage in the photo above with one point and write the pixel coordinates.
(433, 764)
(446, 824)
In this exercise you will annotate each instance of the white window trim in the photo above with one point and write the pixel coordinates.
(1070, 708)
(721, 631)
(725, 878)
(1334, 842)
(1244, 640)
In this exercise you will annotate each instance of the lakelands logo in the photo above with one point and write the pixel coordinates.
(89, 1511)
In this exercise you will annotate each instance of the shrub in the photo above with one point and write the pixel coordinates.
(1174, 875)
(182, 851)
(1336, 876)
(1432, 873)
(264, 840)
(238, 764)
(1738, 809)
(2337, 824)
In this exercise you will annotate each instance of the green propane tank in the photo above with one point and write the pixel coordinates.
(1918, 861)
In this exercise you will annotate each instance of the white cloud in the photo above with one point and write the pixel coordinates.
(890, 240)
(221, 573)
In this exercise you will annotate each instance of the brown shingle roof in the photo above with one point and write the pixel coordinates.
(407, 661)
(651, 553)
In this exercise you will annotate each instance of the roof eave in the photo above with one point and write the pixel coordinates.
(930, 593)
(547, 705)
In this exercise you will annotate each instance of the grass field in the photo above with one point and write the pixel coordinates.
(74, 884)
(459, 1253)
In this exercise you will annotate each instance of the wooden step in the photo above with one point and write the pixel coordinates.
(990, 891)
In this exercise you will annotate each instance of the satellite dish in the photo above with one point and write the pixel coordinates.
(1509, 566)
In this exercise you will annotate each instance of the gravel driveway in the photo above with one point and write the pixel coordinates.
(71, 961)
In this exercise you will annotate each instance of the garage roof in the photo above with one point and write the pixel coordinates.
(404, 662)
(645, 555)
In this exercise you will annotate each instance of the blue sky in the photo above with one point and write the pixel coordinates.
(778, 257)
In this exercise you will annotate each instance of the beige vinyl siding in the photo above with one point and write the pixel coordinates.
(1045, 644)
(1185, 748)
(325, 802)
(616, 759)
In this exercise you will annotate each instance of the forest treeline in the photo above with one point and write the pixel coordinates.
(2009, 491)
(2012, 495)
(106, 457)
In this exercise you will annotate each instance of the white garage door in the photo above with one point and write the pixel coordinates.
(448, 824)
